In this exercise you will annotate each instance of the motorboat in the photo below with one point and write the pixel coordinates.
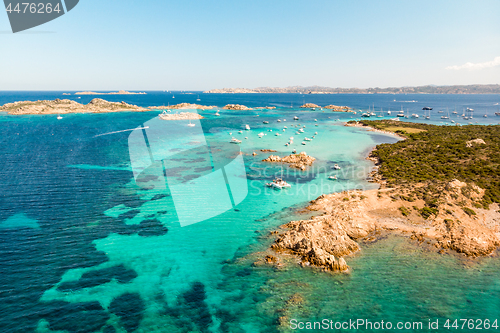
(261, 134)
(265, 122)
(247, 127)
(295, 118)
(217, 113)
(59, 117)
(303, 143)
(426, 108)
(336, 167)
(307, 139)
(279, 184)
(333, 177)
(234, 140)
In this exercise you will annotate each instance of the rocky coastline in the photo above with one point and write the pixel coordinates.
(447, 219)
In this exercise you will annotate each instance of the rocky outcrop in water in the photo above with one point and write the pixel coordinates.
(298, 161)
(62, 106)
(237, 107)
(309, 106)
(189, 106)
(337, 108)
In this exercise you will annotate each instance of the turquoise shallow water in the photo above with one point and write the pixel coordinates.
(85, 249)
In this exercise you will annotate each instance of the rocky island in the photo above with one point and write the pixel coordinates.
(189, 106)
(236, 107)
(63, 106)
(298, 161)
(121, 92)
(437, 188)
(334, 108)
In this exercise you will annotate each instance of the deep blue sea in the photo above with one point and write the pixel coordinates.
(85, 246)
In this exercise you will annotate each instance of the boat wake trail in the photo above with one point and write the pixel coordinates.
(127, 130)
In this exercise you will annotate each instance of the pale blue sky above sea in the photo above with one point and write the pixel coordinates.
(197, 45)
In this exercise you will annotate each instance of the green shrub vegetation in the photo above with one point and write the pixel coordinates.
(469, 211)
(438, 154)
(404, 211)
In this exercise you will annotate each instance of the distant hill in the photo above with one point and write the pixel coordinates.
(429, 89)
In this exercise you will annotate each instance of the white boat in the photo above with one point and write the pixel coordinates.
(315, 119)
(191, 124)
(414, 115)
(294, 151)
(240, 132)
(315, 133)
(278, 183)
(59, 117)
(333, 177)
(217, 113)
(307, 139)
(279, 120)
(295, 118)
(247, 127)
(261, 134)
(336, 167)
(284, 127)
(277, 134)
(301, 130)
(163, 115)
(485, 116)
(303, 143)
(234, 140)
(198, 99)
(265, 122)
(291, 138)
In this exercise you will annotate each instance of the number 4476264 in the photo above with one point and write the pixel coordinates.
(33, 8)
(477, 324)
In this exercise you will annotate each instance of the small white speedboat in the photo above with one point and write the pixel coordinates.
(336, 167)
(279, 184)
(234, 140)
(59, 117)
(247, 127)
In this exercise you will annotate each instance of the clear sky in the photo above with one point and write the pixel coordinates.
(197, 45)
